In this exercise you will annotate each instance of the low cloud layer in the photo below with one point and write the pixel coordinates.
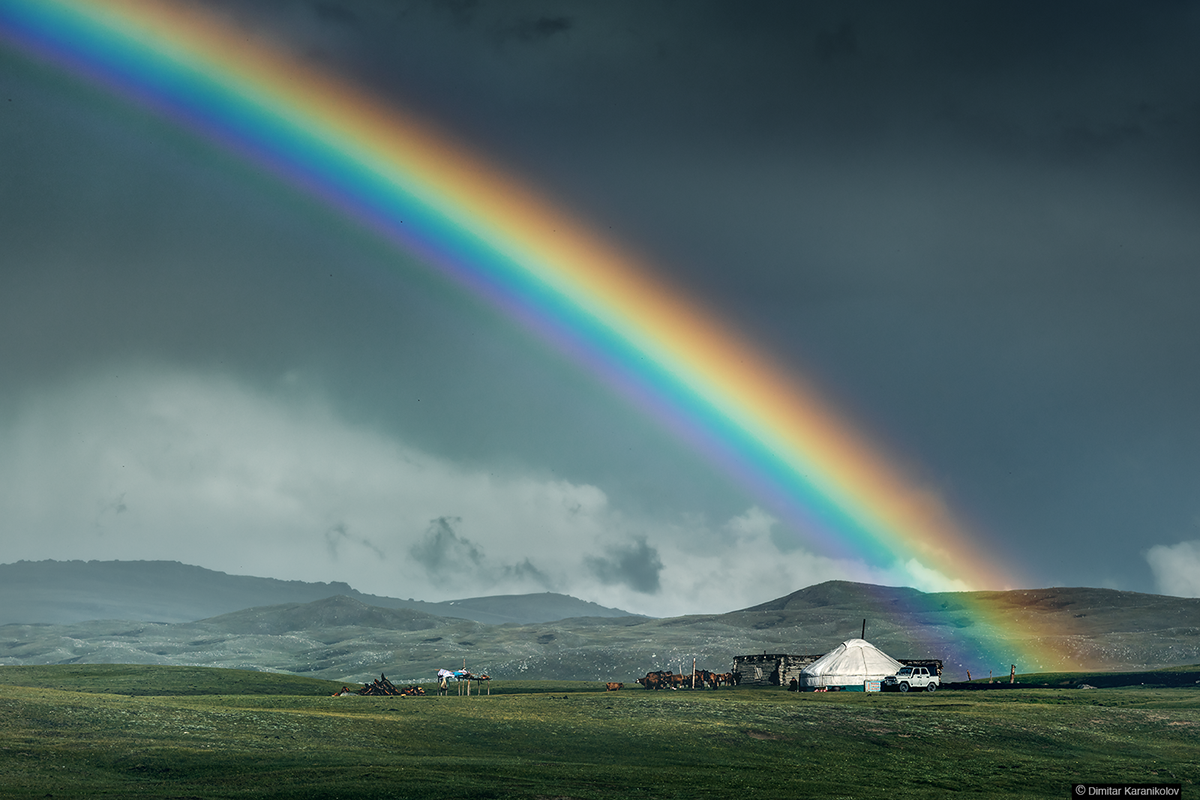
(635, 565)
(451, 560)
(1176, 568)
(153, 464)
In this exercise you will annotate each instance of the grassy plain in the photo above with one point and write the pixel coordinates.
(152, 732)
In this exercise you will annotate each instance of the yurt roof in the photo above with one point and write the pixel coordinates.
(856, 657)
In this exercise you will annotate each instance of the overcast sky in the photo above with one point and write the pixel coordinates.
(976, 228)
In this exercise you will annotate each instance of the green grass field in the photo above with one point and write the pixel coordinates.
(87, 731)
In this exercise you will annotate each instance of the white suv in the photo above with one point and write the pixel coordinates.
(912, 678)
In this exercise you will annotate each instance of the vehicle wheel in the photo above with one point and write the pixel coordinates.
(931, 687)
(904, 686)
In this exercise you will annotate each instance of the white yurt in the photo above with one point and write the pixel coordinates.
(848, 667)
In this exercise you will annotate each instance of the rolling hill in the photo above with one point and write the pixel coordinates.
(344, 638)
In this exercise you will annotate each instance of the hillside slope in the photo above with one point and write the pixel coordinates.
(342, 638)
(1103, 628)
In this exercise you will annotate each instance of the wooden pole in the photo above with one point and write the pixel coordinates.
(693, 673)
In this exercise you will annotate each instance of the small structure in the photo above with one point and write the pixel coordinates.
(769, 669)
(848, 667)
(461, 677)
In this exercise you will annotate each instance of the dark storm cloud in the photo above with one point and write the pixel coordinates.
(452, 559)
(525, 571)
(331, 12)
(973, 226)
(461, 11)
(636, 565)
(107, 511)
(535, 30)
(339, 535)
(841, 43)
(443, 552)
(117, 505)
(503, 23)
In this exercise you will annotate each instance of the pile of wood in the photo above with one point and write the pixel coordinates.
(382, 687)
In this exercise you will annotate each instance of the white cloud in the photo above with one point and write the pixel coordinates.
(1176, 568)
(201, 469)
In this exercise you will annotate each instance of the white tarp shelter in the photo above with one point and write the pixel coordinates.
(849, 666)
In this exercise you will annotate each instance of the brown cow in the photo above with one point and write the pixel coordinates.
(612, 687)
(656, 680)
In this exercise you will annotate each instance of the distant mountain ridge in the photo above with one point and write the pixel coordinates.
(67, 592)
(354, 637)
(346, 638)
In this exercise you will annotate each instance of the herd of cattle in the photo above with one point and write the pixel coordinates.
(686, 680)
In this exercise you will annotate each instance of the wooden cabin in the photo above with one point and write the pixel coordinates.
(770, 669)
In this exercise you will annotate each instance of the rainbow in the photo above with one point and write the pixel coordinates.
(432, 198)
